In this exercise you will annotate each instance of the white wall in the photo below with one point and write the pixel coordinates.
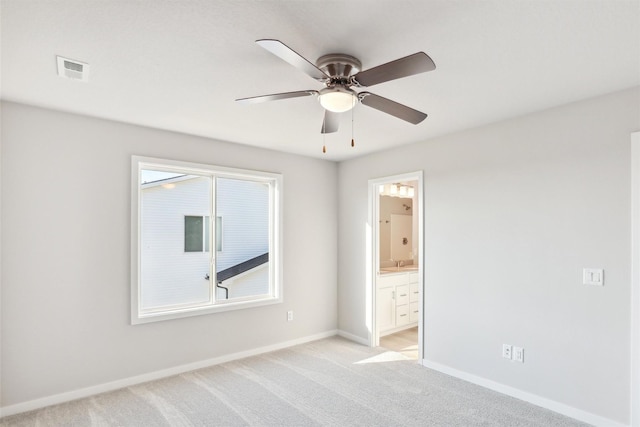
(65, 255)
(513, 212)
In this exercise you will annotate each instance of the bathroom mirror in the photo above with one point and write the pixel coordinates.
(400, 239)
(397, 225)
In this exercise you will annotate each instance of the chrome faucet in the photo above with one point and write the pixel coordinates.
(398, 263)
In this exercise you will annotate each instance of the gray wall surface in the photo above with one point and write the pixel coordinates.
(66, 257)
(513, 212)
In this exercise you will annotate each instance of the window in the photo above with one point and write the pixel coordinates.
(174, 272)
(196, 234)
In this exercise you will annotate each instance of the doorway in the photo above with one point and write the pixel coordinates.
(396, 288)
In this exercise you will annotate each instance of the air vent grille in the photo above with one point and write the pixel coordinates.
(73, 66)
(72, 69)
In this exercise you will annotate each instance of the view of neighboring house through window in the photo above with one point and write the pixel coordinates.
(174, 272)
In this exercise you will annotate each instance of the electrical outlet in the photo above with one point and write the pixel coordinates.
(518, 354)
(506, 351)
(289, 315)
(593, 276)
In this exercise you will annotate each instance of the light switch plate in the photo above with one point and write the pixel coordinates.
(593, 276)
(518, 354)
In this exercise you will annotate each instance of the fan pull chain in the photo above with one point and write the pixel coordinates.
(352, 142)
(324, 136)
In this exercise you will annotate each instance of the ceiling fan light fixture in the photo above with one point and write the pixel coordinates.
(337, 99)
(340, 72)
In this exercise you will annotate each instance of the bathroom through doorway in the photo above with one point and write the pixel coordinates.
(396, 288)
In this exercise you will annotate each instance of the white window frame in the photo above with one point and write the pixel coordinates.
(221, 236)
(275, 180)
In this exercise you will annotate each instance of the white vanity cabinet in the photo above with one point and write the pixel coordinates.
(386, 312)
(397, 297)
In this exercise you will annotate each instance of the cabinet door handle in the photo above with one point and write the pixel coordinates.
(402, 315)
(403, 295)
(393, 294)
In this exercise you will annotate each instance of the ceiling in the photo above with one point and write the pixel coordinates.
(179, 65)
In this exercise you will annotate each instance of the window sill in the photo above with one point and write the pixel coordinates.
(137, 318)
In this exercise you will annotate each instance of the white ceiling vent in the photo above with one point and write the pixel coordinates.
(72, 69)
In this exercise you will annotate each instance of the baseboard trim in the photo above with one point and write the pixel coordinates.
(351, 337)
(552, 405)
(156, 375)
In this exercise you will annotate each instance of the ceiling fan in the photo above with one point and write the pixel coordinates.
(340, 73)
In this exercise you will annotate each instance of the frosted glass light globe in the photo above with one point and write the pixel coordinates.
(337, 100)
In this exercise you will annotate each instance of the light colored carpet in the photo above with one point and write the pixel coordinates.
(331, 382)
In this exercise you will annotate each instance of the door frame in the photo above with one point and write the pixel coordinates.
(374, 253)
(635, 281)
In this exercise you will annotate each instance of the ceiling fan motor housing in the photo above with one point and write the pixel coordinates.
(339, 65)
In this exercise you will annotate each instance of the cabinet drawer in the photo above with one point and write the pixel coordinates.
(402, 315)
(413, 277)
(414, 312)
(414, 292)
(402, 294)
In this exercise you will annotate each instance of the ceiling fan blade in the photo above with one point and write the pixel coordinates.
(284, 52)
(331, 122)
(391, 107)
(277, 96)
(403, 67)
